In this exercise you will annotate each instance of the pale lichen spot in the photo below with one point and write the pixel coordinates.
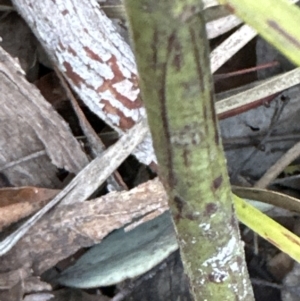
(224, 254)
(189, 135)
(218, 276)
(183, 242)
(186, 139)
(201, 281)
(204, 227)
(234, 267)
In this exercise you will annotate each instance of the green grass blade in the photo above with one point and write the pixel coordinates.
(267, 228)
(275, 20)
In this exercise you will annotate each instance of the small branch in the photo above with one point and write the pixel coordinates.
(231, 46)
(23, 159)
(220, 26)
(245, 71)
(273, 172)
(252, 97)
(96, 145)
(276, 115)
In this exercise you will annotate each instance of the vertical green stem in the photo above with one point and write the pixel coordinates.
(173, 62)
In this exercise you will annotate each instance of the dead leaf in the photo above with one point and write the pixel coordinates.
(29, 194)
(86, 182)
(107, 263)
(69, 228)
(35, 284)
(51, 89)
(12, 278)
(17, 203)
(13, 294)
(29, 124)
(280, 265)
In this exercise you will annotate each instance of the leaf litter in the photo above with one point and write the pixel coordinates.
(35, 128)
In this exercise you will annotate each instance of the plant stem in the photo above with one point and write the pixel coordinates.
(176, 83)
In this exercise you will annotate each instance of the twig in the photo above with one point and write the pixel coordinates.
(232, 45)
(245, 71)
(272, 173)
(222, 25)
(291, 289)
(274, 120)
(277, 113)
(240, 142)
(261, 282)
(97, 147)
(23, 159)
(226, 107)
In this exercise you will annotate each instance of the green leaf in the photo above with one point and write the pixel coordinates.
(123, 255)
(267, 228)
(276, 21)
(149, 244)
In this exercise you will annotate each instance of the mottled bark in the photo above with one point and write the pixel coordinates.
(99, 65)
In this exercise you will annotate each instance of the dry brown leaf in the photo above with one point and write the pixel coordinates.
(12, 278)
(19, 202)
(51, 89)
(86, 182)
(13, 294)
(70, 228)
(14, 284)
(35, 284)
(280, 265)
(29, 124)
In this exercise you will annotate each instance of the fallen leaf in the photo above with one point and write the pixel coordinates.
(51, 89)
(12, 278)
(35, 140)
(69, 228)
(123, 255)
(17, 203)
